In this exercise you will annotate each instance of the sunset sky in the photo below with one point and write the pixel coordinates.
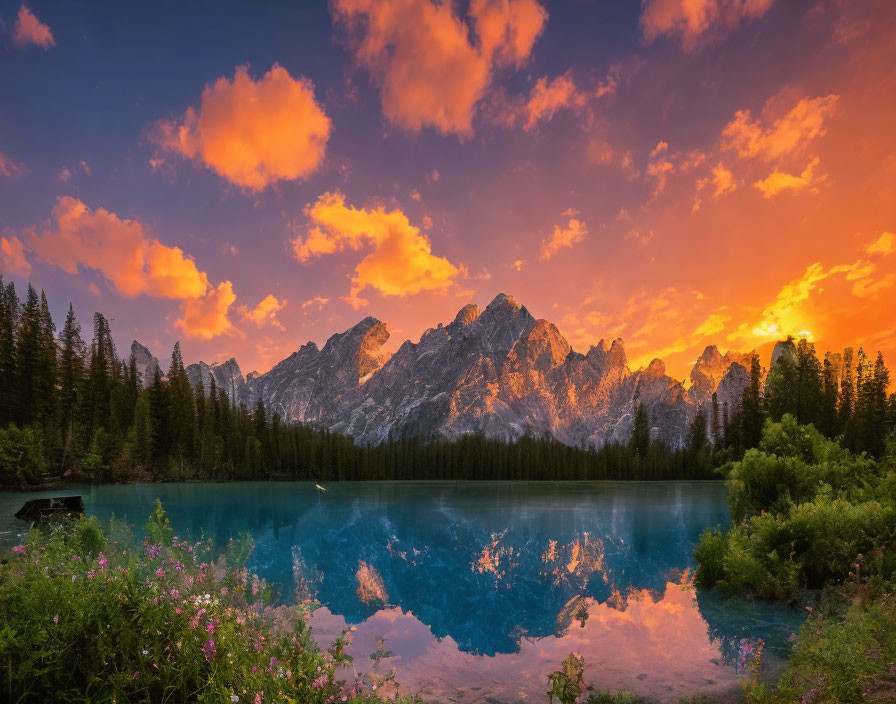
(245, 177)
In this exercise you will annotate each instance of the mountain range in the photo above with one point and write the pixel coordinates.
(498, 372)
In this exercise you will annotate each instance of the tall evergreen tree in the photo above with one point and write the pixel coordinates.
(828, 419)
(808, 383)
(751, 414)
(640, 442)
(29, 353)
(71, 383)
(846, 402)
(9, 314)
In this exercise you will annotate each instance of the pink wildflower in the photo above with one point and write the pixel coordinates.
(90, 574)
(153, 551)
(209, 649)
(178, 610)
(102, 561)
(19, 549)
(223, 591)
(174, 593)
(160, 572)
(210, 627)
(56, 619)
(258, 697)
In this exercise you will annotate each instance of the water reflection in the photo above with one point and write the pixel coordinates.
(656, 646)
(498, 581)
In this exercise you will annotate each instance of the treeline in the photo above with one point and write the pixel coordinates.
(844, 397)
(74, 410)
(69, 409)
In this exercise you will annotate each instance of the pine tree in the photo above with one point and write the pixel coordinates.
(846, 402)
(9, 314)
(716, 421)
(71, 383)
(640, 442)
(828, 420)
(808, 383)
(28, 361)
(182, 411)
(751, 413)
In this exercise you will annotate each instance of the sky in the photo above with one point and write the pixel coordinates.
(245, 177)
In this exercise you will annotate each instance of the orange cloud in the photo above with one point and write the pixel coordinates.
(549, 97)
(885, 244)
(518, 265)
(401, 263)
(265, 311)
(561, 238)
(11, 168)
(723, 180)
(206, 317)
(800, 125)
(429, 70)
(30, 30)
(133, 261)
(697, 21)
(779, 181)
(119, 248)
(12, 256)
(789, 315)
(253, 133)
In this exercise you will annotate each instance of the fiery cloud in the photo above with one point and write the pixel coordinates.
(30, 30)
(265, 312)
(429, 70)
(779, 181)
(401, 263)
(121, 249)
(549, 97)
(252, 133)
(693, 22)
(885, 244)
(12, 256)
(561, 238)
(206, 317)
(133, 261)
(758, 139)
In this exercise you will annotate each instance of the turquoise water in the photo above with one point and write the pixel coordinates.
(481, 588)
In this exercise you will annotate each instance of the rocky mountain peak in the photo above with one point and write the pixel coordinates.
(543, 346)
(605, 355)
(356, 352)
(656, 369)
(711, 355)
(146, 363)
(466, 315)
(783, 348)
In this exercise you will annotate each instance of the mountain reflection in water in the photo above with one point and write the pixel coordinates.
(479, 589)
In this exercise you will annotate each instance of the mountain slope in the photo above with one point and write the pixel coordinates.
(498, 372)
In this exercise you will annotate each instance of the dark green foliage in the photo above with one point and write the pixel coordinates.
(805, 510)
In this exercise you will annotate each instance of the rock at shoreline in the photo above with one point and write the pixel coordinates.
(38, 510)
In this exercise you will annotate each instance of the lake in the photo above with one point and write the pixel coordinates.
(477, 590)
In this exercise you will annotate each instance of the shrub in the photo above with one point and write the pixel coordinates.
(91, 615)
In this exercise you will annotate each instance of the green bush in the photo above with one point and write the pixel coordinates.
(93, 616)
(21, 456)
(843, 660)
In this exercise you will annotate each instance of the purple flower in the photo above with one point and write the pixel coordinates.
(209, 649)
(102, 561)
(153, 551)
(19, 549)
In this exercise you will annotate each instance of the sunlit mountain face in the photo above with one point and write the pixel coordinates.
(246, 178)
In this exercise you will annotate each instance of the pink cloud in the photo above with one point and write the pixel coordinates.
(30, 30)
